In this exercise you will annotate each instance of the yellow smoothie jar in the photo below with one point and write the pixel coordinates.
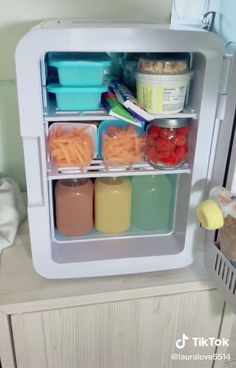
(112, 205)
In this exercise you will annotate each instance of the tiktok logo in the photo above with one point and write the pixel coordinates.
(180, 343)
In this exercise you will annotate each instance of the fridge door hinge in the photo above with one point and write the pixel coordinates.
(225, 74)
(224, 86)
(221, 106)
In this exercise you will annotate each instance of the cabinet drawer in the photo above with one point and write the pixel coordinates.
(134, 333)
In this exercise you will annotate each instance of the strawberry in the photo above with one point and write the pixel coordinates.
(164, 144)
(168, 158)
(183, 130)
(180, 140)
(181, 153)
(167, 133)
(153, 132)
(152, 154)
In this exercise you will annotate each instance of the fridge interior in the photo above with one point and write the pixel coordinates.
(95, 245)
(133, 243)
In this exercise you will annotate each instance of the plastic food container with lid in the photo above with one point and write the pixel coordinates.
(219, 212)
(81, 69)
(77, 98)
(121, 144)
(167, 145)
(72, 144)
(162, 84)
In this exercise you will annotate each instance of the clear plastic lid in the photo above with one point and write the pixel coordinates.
(163, 65)
(76, 58)
(72, 144)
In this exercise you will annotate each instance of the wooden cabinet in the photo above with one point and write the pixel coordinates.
(133, 333)
(112, 322)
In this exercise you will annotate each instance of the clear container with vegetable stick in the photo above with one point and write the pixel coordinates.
(121, 144)
(72, 145)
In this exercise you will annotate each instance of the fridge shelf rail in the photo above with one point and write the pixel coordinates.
(98, 169)
(51, 113)
(223, 273)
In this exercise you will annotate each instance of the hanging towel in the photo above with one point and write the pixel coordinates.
(12, 211)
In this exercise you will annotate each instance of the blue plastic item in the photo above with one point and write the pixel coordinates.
(77, 98)
(80, 69)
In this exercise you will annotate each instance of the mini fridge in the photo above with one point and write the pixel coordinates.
(209, 106)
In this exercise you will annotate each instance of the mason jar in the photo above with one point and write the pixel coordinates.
(112, 205)
(74, 206)
(167, 144)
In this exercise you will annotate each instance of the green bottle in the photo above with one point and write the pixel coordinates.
(152, 202)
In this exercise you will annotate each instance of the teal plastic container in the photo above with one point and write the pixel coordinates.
(77, 98)
(152, 203)
(81, 69)
(120, 124)
(119, 133)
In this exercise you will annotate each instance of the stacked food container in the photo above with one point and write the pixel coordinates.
(82, 79)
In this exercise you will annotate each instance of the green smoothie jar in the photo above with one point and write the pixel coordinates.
(152, 199)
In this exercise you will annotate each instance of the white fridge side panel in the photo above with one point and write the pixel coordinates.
(34, 174)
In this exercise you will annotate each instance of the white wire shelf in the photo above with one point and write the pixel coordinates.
(98, 169)
(51, 113)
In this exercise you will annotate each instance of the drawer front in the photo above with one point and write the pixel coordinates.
(134, 333)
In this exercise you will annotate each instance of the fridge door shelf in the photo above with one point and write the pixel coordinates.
(222, 272)
(98, 169)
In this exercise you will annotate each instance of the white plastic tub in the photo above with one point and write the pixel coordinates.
(162, 94)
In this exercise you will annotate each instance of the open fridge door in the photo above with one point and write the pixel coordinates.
(223, 173)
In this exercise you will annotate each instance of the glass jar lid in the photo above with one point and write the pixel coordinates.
(170, 123)
(73, 182)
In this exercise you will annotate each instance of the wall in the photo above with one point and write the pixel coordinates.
(225, 20)
(16, 17)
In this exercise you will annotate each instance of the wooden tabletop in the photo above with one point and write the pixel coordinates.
(23, 290)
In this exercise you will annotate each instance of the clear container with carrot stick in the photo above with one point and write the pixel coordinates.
(72, 144)
(121, 144)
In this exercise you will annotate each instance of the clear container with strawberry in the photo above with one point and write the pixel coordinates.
(167, 144)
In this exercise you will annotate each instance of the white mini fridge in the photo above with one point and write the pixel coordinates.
(210, 106)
